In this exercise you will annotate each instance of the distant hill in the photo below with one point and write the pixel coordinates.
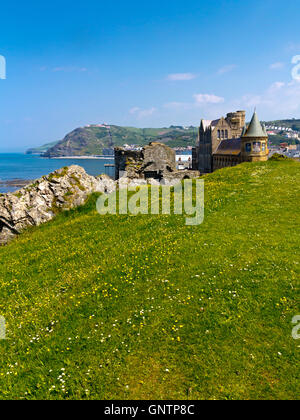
(92, 140)
(293, 124)
(41, 149)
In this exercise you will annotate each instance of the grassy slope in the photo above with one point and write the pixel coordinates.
(146, 307)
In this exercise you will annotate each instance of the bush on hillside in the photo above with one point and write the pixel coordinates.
(277, 157)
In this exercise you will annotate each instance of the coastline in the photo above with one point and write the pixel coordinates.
(82, 157)
(17, 169)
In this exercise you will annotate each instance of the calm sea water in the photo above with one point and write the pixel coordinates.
(20, 166)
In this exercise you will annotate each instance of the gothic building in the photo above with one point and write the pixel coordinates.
(229, 141)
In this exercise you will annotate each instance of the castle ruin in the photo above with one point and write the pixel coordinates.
(153, 162)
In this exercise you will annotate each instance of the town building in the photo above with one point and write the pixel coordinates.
(229, 141)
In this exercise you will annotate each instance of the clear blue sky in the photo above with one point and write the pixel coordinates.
(145, 64)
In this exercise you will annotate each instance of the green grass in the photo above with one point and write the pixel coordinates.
(148, 308)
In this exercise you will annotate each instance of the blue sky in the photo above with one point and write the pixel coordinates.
(145, 64)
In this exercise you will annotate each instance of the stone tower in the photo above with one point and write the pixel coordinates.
(236, 120)
(254, 142)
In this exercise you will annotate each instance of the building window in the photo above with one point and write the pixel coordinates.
(219, 134)
(226, 134)
(222, 134)
(248, 147)
(263, 147)
(256, 147)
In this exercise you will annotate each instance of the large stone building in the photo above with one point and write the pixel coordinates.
(229, 141)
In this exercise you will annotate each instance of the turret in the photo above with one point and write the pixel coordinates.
(254, 141)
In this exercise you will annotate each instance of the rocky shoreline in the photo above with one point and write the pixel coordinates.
(41, 200)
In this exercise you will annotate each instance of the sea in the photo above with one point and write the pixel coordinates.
(30, 167)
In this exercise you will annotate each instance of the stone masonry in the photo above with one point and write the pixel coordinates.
(154, 162)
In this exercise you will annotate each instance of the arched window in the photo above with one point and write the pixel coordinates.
(248, 147)
(222, 134)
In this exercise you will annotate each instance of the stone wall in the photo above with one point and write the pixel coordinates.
(154, 162)
(225, 161)
(129, 161)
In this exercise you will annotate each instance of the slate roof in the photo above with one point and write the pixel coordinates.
(229, 147)
(255, 128)
(215, 122)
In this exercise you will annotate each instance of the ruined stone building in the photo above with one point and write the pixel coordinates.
(229, 141)
(155, 161)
